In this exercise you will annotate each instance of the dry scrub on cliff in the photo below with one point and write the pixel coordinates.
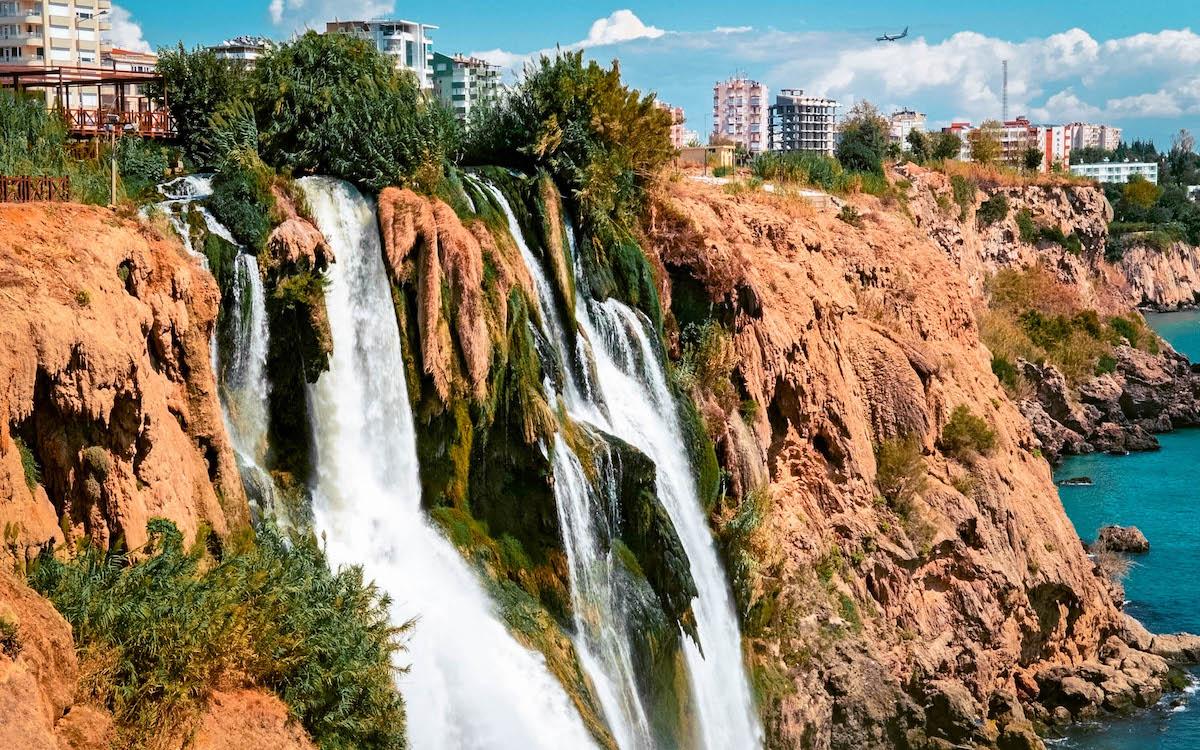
(1033, 316)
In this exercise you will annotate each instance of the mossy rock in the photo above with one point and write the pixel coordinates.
(646, 529)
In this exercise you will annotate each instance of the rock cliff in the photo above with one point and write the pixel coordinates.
(111, 418)
(878, 618)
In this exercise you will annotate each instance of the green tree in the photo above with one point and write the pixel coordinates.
(864, 139)
(946, 146)
(985, 142)
(333, 104)
(919, 146)
(1033, 158)
(195, 85)
(1140, 192)
(601, 140)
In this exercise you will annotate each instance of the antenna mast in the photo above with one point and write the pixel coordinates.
(1005, 100)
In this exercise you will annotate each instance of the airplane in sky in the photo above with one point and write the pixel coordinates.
(893, 37)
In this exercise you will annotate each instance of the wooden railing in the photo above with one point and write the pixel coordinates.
(30, 189)
(156, 124)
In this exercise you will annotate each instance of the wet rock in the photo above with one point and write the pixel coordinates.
(1077, 482)
(1128, 539)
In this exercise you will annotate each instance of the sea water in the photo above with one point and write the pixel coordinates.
(1160, 494)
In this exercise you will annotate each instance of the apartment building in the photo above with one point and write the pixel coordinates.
(740, 113)
(904, 122)
(680, 136)
(133, 97)
(406, 42)
(1016, 137)
(1055, 143)
(802, 123)
(45, 33)
(1086, 135)
(246, 50)
(1117, 171)
(464, 83)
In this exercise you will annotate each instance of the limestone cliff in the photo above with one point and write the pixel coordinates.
(111, 418)
(875, 623)
(1161, 279)
(106, 383)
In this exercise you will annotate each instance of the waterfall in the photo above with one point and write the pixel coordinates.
(244, 386)
(625, 394)
(470, 684)
(643, 412)
(601, 623)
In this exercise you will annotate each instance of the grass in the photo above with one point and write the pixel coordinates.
(29, 464)
(159, 629)
(998, 175)
(708, 361)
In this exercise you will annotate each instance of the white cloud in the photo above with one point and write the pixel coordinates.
(733, 29)
(127, 33)
(296, 15)
(620, 26)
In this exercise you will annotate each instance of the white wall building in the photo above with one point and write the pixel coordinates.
(904, 122)
(52, 33)
(407, 42)
(1086, 135)
(1117, 171)
(740, 113)
(802, 123)
(464, 83)
(243, 49)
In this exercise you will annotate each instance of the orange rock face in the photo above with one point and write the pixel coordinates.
(106, 380)
(846, 337)
(242, 719)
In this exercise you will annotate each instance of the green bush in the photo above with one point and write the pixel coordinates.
(800, 167)
(992, 210)
(1006, 372)
(142, 165)
(159, 630)
(900, 472)
(850, 215)
(242, 199)
(29, 464)
(10, 638)
(1027, 228)
(966, 434)
(195, 85)
(722, 171)
(964, 191)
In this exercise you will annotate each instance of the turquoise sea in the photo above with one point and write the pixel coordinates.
(1160, 494)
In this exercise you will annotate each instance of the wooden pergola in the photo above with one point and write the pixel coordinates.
(91, 121)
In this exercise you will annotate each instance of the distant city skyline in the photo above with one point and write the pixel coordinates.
(1103, 64)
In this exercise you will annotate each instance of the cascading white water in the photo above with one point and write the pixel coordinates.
(471, 685)
(630, 399)
(243, 381)
(245, 388)
(642, 411)
(602, 636)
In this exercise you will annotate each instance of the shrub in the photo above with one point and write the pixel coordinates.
(242, 199)
(736, 537)
(964, 190)
(708, 362)
(800, 167)
(29, 464)
(966, 434)
(1005, 371)
(992, 210)
(1027, 229)
(900, 472)
(195, 85)
(83, 298)
(10, 638)
(157, 634)
(722, 171)
(142, 165)
(850, 215)
(864, 139)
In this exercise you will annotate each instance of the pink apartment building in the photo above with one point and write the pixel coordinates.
(741, 113)
(679, 135)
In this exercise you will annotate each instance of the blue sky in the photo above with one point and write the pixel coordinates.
(1133, 64)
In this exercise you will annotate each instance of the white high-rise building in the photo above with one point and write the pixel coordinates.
(407, 42)
(54, 33)
(904, 122)
(802, 123)
(1086, 135)
(740, 113)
